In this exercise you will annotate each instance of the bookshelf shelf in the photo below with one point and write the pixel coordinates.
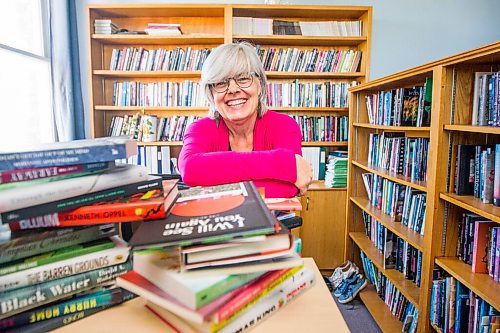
(409, 130)
(159, 40)
(319, 185)
(473, 205)
(313, 75)
(307, 109)
(481, 284)
(302, 40)
(148, 74)
(410, 236)
(150, 108)
(324, 144)
(406, 287)
(379, 310)
(473, 129)
(160, 143)
(421, 186)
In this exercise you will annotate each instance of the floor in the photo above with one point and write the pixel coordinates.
(357, 317)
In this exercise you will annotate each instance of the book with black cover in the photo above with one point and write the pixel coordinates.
(464, 170)
(216, 213)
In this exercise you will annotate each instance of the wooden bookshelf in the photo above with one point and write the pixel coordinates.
(411, 236)
(379, 310)
(482, 284)
(406, 287)
(451, 115)
(207, 26)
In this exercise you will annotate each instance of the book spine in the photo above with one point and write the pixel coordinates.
(102, 298)
(22, 299)
(63, 268)
(42, 193)
(23, 247)
(271, 303)
(67, 156)
(30, 174)
(62, 254)
(496, 182)
(80, 200)
(253, 293)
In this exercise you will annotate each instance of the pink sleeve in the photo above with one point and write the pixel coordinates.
(274, 169)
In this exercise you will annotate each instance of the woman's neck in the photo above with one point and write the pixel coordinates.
(241, 135)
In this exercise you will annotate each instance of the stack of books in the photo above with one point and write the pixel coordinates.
(220, 262)
(105, 27)
(163, 29)
(336, 169)
(60, 251)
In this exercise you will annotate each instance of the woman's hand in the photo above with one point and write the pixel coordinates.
(304, 174)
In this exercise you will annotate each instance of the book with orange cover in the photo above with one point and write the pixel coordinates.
(289, 204)
(149, 205)
(480, 250)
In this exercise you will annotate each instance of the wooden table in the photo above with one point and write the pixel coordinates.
(313, 311)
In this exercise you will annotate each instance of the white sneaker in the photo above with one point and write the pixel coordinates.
(342, 272)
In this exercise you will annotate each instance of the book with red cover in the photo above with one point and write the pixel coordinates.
(216, 214)
(150, 205)
(480, 251)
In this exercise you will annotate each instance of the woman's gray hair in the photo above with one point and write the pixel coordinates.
(229, 59)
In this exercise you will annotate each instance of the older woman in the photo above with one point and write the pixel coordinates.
(241, 139)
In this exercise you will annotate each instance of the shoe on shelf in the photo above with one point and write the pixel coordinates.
(353, 290)
(344, 285)
(343, 273)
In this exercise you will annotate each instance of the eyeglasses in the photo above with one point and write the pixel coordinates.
(243, 80)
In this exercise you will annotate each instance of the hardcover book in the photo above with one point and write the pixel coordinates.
(22, 244)
(215, 217)
(480, 250)
(71, 152)
(108, 194)
(192, 291)
(42, 193)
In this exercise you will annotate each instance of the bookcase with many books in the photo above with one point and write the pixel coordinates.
(312, 55)
(410, 223)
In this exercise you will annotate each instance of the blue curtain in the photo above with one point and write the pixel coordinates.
(66, 84)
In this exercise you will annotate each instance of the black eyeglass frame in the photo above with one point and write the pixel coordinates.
(234, 78)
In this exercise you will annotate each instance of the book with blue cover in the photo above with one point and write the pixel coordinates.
(69, 153)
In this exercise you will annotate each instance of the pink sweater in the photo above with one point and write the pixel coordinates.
(205, 158)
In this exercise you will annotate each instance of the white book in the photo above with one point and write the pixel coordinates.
(165, 160)
(67, 267)
(192, 291)
(38, 194)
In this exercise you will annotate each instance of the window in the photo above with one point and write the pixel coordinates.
(25, 75)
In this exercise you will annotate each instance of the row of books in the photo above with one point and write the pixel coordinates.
(309, 94)
(323, 128)
(485, 106)
(267, 26)
(479, 244)
(397, 253)
(336, 169)
(455, 308)
(401, 202)
(313, 60)
(156, 159)
(400, 307)
(150, 128)
(141, 59)
(396, 153)
(402, 106)
(135, 93)
(105, 27)
(477, 172)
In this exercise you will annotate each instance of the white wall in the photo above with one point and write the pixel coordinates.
(405, 33)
